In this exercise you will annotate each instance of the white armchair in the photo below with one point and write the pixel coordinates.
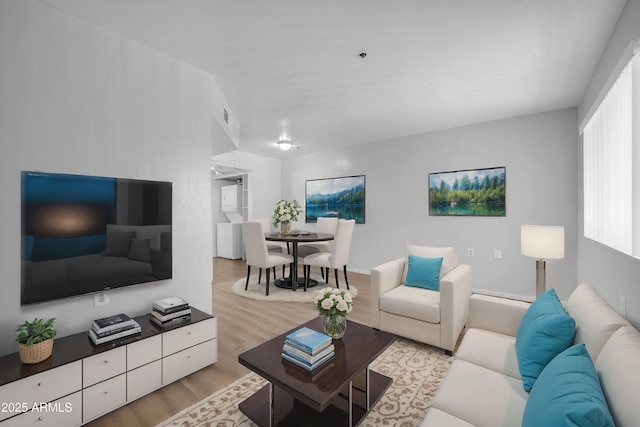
(432, 317)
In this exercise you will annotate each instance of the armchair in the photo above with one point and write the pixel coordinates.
(434, 317)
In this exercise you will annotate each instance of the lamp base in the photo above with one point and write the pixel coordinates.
(540, 277)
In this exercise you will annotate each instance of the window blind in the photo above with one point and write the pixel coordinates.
(607, 167)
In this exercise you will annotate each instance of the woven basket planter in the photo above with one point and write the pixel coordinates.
(35, 353)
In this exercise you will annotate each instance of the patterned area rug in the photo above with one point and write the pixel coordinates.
(257, 291)
(416, 369)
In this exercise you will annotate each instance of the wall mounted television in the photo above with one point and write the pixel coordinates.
(86, 234)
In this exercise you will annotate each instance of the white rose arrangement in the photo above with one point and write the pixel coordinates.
(286, 212)
(331, 301)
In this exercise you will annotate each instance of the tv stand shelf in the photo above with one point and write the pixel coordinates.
(82, 381)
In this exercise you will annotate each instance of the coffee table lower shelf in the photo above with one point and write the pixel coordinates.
(292, 412)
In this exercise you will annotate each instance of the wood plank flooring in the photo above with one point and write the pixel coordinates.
(242, 324)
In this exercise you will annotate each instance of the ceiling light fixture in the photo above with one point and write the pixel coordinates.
(285, 144)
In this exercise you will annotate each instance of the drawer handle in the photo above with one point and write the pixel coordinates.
(106, 361)
(40, 418)
(189, 333)
(39, 384)
(106, 392)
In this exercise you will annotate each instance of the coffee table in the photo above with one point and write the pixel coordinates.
(339, 393)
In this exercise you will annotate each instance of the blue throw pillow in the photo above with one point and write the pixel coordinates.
(568, 393)
(424, 272)
(545, 331)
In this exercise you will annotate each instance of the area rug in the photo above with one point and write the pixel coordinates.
(257, 291)
(416, 369)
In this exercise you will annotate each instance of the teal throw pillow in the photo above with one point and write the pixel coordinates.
(545, 331)
(568, 393)
(424, 272)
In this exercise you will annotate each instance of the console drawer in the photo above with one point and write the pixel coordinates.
(187, 336)
(190, 360)
(104, 397)
(144, 380)
(64, 412)
(43, 387)
(103, 366)
(143, 352)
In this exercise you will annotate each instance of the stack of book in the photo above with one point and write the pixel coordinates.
(169, 311)
(112, 328)
(308, 349)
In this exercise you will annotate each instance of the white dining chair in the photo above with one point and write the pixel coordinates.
(325, 225)
(267, 227)
(281, 247)
(338, 257)
(256, 252)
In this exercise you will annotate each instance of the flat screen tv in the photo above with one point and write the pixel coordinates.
(85, 234)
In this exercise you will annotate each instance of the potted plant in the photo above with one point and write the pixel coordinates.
(35, 340)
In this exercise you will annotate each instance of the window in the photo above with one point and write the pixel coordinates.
(609, 139)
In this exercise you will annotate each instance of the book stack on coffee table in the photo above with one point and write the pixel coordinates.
(170, 311)
(308, 349)
(112, 328)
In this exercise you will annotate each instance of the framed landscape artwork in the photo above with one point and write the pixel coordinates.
(473, 192)
(342, 197)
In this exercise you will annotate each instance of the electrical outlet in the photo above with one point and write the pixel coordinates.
(497, 254)
(623, 306)
(471, 252)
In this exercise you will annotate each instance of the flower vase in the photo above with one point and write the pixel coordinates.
(285, 227)
(334, 325)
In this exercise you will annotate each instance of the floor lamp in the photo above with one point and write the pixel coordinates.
(542, 242)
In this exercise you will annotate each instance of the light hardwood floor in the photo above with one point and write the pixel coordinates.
(242, 324)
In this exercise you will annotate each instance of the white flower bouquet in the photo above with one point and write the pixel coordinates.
(331, 302)
(286, 211)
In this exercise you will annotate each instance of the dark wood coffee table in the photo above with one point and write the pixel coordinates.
(340, 393)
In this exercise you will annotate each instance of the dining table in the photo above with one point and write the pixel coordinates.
(293, 281)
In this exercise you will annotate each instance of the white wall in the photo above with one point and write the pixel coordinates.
(540, 155)
(612, 273)
(76, 99)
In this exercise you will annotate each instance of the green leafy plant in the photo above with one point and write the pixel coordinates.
(37, 331)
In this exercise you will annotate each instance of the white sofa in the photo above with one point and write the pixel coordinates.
(432, 317)
(483, 387)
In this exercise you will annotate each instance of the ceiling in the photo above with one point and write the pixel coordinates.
(292, 67)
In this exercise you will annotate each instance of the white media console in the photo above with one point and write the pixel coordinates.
(81, 382)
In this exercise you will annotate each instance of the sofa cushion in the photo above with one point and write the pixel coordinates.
(480, 396)
(491, 350)
(448, 255)
(595, 319)
(417, 303)
(118, 243)
(438, 418)
(618, 366)
(139, 250)
(568, 393)
(545, 331)
(423, 272)
(151, 232)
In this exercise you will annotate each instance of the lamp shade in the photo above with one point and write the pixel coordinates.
(542, 241)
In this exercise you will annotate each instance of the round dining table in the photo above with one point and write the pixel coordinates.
(293, 281)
